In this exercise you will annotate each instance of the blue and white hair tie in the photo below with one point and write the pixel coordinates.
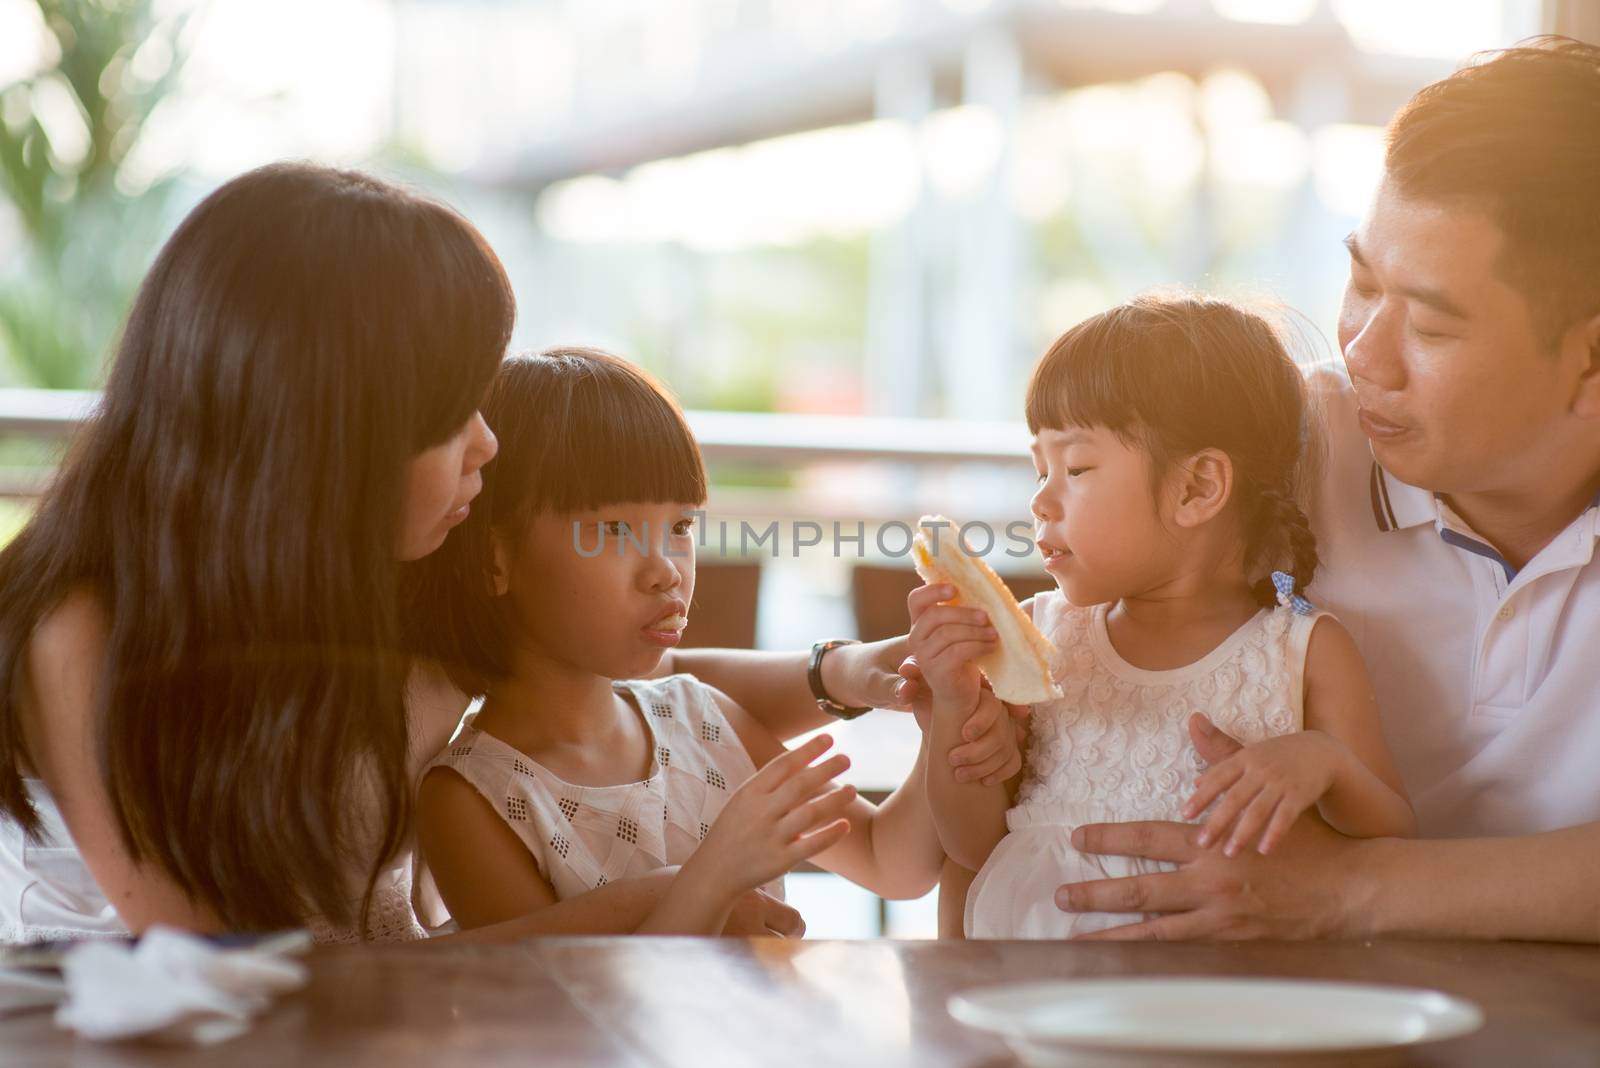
(1283, 582)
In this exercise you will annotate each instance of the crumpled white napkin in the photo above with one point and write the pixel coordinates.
(174, 987)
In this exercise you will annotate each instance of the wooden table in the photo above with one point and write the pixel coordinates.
(704, 1003)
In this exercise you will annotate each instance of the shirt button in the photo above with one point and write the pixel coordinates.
(1505, 613)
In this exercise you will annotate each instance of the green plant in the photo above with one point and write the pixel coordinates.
(87, 220)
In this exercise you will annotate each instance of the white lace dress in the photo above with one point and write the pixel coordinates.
(583, 837)
(1116, 747)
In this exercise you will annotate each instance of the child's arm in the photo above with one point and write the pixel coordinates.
(970, 816)
(945, 638)
(954, 886)
(892, 849)
(1338, 763)
(486, 875)
(772, 686)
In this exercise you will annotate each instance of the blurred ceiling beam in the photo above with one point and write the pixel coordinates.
(1066, 47)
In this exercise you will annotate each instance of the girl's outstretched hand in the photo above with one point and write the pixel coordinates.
(786, 813)
(1263, 788)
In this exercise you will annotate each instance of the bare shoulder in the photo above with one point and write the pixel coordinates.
(434, 707)
(72, 631)
(451, 814)
(1336, 683)
(1331, 652)
(445, 799)
(63, 660)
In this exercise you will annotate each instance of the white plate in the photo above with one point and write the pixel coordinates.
(1121, 1020)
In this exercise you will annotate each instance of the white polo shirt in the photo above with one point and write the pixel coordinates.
(1488, 679)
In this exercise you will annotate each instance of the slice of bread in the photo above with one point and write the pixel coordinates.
(1019, 671)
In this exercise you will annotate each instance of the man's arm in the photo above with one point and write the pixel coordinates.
(1537, 887)
(1320, 884)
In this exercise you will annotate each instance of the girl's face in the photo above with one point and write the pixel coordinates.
(608, 591)
(441, 483)
(1095, 519)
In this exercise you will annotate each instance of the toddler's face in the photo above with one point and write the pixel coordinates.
(1095, 519)
(581, 601)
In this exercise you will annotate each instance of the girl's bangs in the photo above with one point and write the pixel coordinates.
(582, 429)
(650, 458)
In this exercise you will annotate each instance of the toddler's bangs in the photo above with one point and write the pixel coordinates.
(1092, 376)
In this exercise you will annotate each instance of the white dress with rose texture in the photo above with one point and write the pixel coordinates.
(1116, 747)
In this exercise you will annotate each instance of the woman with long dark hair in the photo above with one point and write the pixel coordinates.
(202, 688)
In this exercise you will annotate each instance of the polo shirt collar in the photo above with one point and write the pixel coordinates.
(1397, 505)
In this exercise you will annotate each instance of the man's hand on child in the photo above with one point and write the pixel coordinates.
(784, 814)
(1261, 789)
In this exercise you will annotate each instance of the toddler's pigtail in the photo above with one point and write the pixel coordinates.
(1285, 543)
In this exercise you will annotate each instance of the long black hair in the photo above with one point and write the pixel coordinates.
(233, 508)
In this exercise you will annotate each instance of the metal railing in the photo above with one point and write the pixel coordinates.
(783, 440)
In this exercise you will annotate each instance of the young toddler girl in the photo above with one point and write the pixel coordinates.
(1171, 438)
(555, 601)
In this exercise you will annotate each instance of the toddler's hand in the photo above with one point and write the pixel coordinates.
(945, 639)
(992, 749)
(1264, 788)
(784, 814)
(994, 752)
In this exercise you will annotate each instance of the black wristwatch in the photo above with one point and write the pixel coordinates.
(814, 677)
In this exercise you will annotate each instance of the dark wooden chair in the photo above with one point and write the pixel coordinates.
(726, 596)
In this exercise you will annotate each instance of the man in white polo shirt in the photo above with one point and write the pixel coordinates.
(1457, 523)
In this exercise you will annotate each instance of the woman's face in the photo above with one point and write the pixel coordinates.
(441, 484)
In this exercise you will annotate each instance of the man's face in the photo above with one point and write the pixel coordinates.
(1457, 394)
